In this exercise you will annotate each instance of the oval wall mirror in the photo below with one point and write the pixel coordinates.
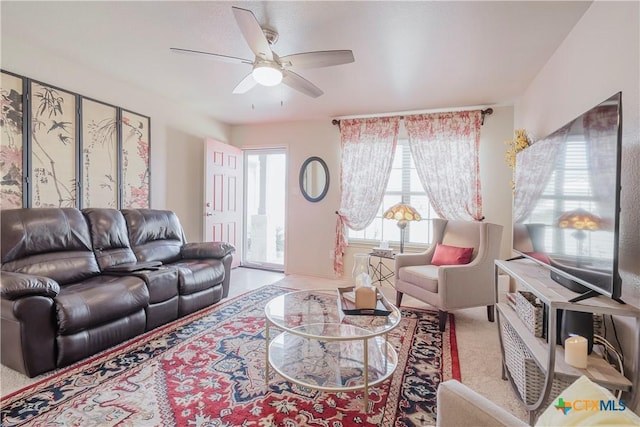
(314, 179)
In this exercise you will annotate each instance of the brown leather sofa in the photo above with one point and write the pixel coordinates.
(75, 283)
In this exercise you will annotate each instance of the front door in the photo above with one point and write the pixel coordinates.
(223, 195)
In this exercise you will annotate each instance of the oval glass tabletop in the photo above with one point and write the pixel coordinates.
(317, 314)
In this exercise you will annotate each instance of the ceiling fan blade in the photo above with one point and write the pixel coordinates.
(324, 58)
(245, 85)
(253, 33)
(224, 58)
(301, 84)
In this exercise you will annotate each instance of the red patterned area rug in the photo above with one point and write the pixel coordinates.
(208, 370)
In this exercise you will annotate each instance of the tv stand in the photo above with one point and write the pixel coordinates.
(592, 294)
(535, 366)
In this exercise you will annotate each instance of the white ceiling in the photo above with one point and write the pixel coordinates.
(409, 56)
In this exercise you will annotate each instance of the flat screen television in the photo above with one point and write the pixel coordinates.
(567, 201)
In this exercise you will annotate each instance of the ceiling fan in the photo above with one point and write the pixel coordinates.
(269, 69)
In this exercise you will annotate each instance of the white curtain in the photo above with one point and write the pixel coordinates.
(367, 155)
(445, 151)
(534, 166)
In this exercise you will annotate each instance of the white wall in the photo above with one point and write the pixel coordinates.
(177, 132)
(495, 174)
(600, 57)
(311, 226)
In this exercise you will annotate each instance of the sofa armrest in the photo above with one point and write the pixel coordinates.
(458, 405)
(18, 285)
(203, 250)
(466, 286)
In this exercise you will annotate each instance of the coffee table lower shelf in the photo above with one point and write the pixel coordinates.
(332, 365)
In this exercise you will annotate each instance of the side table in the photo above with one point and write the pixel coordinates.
(380, 271)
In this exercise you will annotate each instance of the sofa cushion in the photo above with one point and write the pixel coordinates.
(109, 237)
(49, 242)
(98, 300)
(426, 276)
(198, 275)
(154, 235)
(162, 283)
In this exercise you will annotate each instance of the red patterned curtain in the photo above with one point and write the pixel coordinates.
(445, 149)
(367, 154)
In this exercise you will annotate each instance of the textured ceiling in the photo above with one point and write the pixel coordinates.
(408, 55)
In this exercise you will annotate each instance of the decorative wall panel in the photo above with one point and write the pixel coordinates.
(61, 149)
(135, 160)
(53, 147)
(99, 155)
(11, 142)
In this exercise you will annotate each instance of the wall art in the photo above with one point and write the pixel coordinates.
(62, 149)
(99, 155)
(53, 166)
(11, 141)
(135, 161)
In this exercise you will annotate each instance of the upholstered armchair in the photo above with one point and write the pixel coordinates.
(449, 287)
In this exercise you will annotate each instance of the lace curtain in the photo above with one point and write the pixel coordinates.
(445, 149)
(367, 154)
(532, 179)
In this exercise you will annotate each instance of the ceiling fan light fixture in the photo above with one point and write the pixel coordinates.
(267, 74)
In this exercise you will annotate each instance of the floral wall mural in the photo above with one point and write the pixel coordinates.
(53, 147)
(75, 151)
(135, 161)
(11, 190)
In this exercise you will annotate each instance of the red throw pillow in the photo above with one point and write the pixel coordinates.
(451, 255)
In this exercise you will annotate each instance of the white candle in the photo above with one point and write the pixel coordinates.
(575, 351)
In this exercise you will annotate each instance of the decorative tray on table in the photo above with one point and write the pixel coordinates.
(347, 303)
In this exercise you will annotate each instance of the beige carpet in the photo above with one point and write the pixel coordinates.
(478, 342)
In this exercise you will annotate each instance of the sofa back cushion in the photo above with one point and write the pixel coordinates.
(154, 235)
(50, 242)
(109, 237)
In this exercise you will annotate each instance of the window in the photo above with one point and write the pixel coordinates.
(403, 184)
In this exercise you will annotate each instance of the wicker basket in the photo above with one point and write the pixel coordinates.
(531, 312)
(526, 375)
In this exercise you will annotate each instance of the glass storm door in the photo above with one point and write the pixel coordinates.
(265, 184)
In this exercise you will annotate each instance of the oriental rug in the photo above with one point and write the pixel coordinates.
(208, 368)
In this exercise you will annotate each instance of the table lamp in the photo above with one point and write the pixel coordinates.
(402, 213)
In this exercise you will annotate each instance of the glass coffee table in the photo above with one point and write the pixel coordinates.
(324, 349)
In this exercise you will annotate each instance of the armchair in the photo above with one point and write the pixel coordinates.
(449, 287)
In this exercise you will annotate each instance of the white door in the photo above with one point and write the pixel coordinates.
(223, 195)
